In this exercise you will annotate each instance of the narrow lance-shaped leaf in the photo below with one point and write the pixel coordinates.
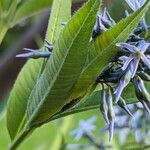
(62, 70)
(30, 73)
(103, 49)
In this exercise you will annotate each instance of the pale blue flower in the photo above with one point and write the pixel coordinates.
(85, 126)
(135, 4)
(123, 82)
(131, 63)
(123, 134)
(136, 53)
(103, 22)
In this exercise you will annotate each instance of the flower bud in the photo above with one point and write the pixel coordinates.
(122, 104)
(141, 93)
(103, 106)
(34, 54)
(144, 76)
(111, 114)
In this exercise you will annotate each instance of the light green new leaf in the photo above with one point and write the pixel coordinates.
(64, 67)
(103, 50)
(17, 103)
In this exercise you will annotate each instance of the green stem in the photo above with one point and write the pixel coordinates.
(20, 138)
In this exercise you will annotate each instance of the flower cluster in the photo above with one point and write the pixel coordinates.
(125, 124)
(85, 130)
(133, 66)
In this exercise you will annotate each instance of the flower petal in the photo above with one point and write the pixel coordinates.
(131, 4)
(134, 66)
(129, 59)
(143, 46)
(142, 2)
(146, 61)
(127, 47)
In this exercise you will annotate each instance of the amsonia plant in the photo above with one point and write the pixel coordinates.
(88, 61)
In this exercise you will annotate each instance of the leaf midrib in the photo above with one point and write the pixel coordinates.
(57, 74)
(52, 38)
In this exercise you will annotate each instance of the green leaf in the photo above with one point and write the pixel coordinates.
(103, 49)
(62, 70)
(30, 73)
(4, 5)
(3, 30)
(146, 34)
(61, 12)
(19, 95)
(93, 101)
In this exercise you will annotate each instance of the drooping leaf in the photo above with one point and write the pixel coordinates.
(31, 71)
(64, 67)
(103, 50)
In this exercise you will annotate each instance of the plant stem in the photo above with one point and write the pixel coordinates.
(20, 138)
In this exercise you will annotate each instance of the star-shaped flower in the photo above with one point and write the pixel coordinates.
(131, 63)
(85, 126)
(136, 53)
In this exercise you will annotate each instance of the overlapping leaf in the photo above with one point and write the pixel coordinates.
(31, 71)
(93, 101)
(63, 69)
(103, 49)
